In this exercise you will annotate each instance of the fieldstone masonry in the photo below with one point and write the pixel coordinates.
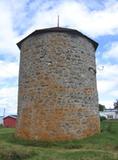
(57, 86)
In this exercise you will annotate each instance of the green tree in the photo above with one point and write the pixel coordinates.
(101, 107)
(116, 104)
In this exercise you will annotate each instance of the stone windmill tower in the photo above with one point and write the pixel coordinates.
(57, 86)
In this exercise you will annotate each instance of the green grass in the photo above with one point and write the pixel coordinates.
(103, 146)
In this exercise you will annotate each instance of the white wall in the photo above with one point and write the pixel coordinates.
(110, 114)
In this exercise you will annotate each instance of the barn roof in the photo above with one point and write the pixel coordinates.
(11, 116)
(58, 29)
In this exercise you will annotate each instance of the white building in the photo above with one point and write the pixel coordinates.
(110, 113)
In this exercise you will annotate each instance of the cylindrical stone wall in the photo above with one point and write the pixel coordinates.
(57, 88)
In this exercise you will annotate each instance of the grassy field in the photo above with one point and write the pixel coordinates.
(103, 146)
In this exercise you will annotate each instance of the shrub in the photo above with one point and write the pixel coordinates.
(102, 118)
(1, 126)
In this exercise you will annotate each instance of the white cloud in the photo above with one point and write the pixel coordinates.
(77, 15)
(108, 103)
(109, 71)
(7, 34)
(108, 83)
(8, 100)
(23, 17)
(112, 51)
(8, 69)
(114, 93)
(105, 86)
(74, 14)
(8, 95)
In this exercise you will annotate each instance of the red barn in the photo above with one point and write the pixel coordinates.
(10, 121)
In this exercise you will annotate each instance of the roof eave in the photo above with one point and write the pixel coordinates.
(58, 29)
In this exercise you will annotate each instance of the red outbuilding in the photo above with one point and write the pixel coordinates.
(10, 121)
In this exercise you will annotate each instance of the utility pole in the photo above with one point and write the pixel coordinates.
(4, 112)
(58, 21)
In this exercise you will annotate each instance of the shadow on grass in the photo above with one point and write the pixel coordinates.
(13, 154)
(9, 137)
(45, 144)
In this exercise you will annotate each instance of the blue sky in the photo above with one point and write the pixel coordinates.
(97, 19)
